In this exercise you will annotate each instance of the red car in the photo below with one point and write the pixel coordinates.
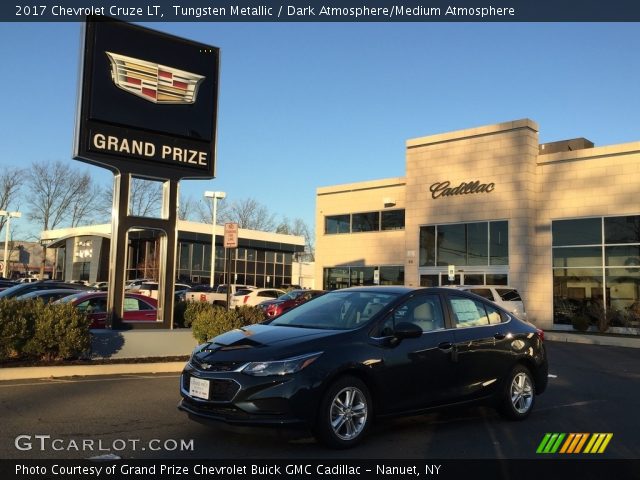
(137, 308)
(273, 308)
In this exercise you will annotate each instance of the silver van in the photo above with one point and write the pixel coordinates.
(503, 295)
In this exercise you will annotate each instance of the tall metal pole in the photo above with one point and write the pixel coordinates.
(214, 196)
(5, 262)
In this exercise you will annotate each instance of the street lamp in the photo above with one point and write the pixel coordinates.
(9, 215)
(214, 196)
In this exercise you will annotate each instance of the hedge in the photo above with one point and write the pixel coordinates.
(208, 321)
(37, 330)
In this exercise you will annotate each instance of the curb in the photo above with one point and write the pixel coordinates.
(25, 373)
(555, 336)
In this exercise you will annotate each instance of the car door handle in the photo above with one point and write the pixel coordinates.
(499, 336)
(445, 346)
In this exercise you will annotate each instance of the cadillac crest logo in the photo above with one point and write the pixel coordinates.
(153, 82)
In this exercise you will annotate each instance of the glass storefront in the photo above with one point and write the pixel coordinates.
(343, 277)
(596, 272)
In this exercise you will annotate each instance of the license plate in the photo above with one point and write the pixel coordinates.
(199, 388)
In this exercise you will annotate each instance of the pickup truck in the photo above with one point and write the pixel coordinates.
(216, 297)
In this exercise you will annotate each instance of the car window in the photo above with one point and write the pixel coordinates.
(483, 292)
(131, 304)
(339, 310)
(509, 294)
(468, 312)
(424, 311)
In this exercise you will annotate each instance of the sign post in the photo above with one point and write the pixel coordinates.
(147, 109)
(230, 243)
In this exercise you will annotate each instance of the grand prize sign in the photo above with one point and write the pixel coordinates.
(147, 108)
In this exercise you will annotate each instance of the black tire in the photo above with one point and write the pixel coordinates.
(518, 395)
(345, 413)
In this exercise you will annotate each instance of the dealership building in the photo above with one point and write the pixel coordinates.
(558, 221)
(263, 259)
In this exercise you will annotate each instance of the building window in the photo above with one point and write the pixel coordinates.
(392, 220)
(472, 244)
(596, 273)
(365, 222)
(337, 224)
(343, 277)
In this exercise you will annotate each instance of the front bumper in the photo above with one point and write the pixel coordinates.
(239, 399)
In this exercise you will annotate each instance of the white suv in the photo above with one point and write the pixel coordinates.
(503, 295)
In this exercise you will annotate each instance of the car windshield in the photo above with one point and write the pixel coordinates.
(290, 296)
(337, 310)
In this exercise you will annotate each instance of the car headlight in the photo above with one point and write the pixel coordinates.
(281, 367)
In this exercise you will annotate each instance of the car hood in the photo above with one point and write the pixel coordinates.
(261, 342)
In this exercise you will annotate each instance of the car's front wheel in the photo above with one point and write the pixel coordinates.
(345, 413)
(519, 394)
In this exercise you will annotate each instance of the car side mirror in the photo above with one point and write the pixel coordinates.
(407, 330)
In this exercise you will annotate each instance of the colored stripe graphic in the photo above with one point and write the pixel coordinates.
(574, 443)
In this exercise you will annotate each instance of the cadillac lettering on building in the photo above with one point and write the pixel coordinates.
(136, 148)
(444, 189)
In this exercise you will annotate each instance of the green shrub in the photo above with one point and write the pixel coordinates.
(60, 332)
(195, 310)
(251, 315)
(16, 327)
(581, 322)
(208, 323)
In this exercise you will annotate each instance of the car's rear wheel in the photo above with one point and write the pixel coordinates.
(518, 396)
(345, 413)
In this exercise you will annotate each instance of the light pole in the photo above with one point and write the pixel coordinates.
(214, 196)
(9, 215)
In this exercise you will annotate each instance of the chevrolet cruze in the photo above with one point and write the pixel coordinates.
(338, 361)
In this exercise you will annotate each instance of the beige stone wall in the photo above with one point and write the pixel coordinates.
(362, 248)
(531, 191)
(593, 182)
(504, 154)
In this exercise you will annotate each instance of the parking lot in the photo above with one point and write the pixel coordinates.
(591, 389)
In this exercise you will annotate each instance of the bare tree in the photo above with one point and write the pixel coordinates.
(145, 197)
(10, 182)
(56, 194)
(299, 227)
(248, 213)
(187, 208)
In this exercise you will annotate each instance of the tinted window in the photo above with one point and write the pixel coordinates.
(337, 224)
(585, 231)
(392, 220)
(509, 294)
(499, 243)
(365, 222)
(337, 310)
(622, 229)
(483, 292)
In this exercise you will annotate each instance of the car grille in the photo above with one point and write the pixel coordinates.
(216, 366)
(223, 411)
(220, 390)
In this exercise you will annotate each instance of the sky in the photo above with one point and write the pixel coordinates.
(305, 105)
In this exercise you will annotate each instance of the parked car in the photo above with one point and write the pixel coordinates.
(150, 289)
(251, 298)
(217, 296)
(339, 360)
(5, 283)
(133, 285)
(24, 288)
(101, 286)
(137, 308)
(273, 308)
(50, 295)
(507, 297)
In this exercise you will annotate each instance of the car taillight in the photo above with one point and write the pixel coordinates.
(541, 335)
(246, 297)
